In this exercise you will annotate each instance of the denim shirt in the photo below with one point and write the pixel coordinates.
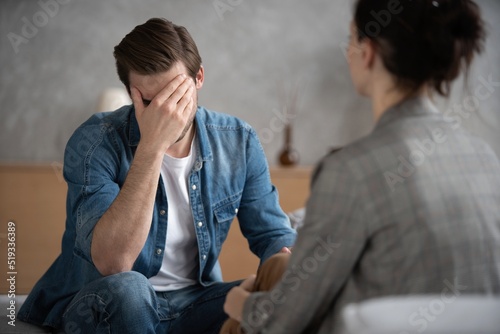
(230, 178)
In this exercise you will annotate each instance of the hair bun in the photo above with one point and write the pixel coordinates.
(459, 17)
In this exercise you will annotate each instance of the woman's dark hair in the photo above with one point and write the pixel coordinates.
(422, 41)
(154, 47)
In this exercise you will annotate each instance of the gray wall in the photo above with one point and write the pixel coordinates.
(251, 51)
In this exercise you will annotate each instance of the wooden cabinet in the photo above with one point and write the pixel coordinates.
(236, 260)
(34, 196)
(293, 186)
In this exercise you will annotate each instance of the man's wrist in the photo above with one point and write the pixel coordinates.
(149, 152)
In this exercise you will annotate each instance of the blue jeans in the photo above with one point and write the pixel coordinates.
(127, 303)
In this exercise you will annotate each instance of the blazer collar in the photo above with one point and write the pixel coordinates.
(417, 106)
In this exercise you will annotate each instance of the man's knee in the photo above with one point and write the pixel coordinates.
(116, 299)
(130, 290)
(126, 287)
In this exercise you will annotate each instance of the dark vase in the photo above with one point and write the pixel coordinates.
(288, 156)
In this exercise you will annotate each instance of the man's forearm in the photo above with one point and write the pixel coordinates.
(121, 233)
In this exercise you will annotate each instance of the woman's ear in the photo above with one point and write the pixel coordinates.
(200, 76)
(369, 52)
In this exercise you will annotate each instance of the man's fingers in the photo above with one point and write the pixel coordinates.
(187, 100)
(171, 88)
(186, 88)
(137, 99)
(286, 250)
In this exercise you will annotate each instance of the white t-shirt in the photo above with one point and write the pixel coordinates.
(180, 259)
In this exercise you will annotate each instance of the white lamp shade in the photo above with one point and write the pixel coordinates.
(112, 98)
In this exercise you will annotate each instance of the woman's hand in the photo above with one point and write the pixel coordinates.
(236, 297)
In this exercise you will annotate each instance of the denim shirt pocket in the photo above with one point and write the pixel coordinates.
(225, 211)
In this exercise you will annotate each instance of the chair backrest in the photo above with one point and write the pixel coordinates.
(429, 314)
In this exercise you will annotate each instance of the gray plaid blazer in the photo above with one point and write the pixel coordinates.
(413, 208)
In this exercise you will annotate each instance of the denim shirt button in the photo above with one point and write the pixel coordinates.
(193, 187)
(200, 224)
(204, 257)
(162, 212)
(197, 165)
(236, 210)
(158, 251)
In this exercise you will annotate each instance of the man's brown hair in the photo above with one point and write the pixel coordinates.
(153, 47)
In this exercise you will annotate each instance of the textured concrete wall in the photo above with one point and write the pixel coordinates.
(56, 60)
